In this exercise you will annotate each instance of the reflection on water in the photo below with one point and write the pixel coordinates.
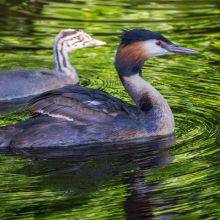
(74, 177)
(108, 183)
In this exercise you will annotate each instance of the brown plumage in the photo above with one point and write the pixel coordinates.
(132, 54)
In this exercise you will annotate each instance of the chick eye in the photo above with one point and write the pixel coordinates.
(158, 43)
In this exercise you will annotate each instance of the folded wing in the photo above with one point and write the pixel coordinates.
(79, 104)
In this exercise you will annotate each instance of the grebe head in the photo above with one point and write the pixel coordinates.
(139, 45)
(73, 39)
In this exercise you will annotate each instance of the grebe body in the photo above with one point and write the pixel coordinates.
(76, 115)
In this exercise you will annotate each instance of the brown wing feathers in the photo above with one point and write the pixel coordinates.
(68, 107)
(79, 104)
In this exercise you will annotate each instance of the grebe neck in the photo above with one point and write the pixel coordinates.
(61, 58)
(129, 63)
(143, 93)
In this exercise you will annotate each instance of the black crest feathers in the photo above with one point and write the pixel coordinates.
(135, 35)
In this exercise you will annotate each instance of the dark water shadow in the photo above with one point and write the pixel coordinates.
(81, 173)
(14, 15)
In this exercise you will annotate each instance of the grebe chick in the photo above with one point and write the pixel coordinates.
(23, 83)
(76, 115)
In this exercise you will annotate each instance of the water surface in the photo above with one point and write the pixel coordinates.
(179, 182)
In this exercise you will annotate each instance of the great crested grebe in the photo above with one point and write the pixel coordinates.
(23, 83)
(76, 115)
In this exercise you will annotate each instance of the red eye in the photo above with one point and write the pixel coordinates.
(158, 42)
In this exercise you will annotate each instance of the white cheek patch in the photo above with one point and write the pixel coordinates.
(152, 49)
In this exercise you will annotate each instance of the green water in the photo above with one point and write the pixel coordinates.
(181, 182)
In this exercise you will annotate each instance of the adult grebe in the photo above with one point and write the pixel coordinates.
(76, 115)
(23, 83)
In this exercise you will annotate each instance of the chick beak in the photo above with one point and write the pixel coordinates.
(178, 49)
(95, 43)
